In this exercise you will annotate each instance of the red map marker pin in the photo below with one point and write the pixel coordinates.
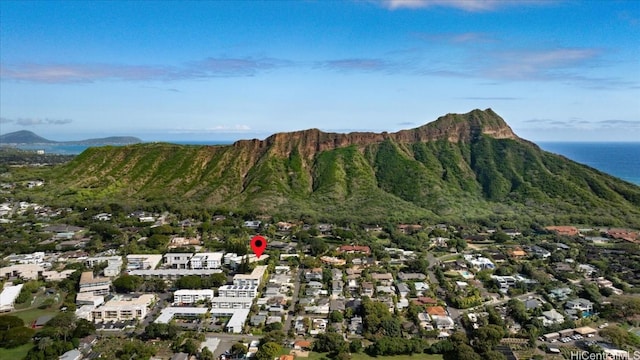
(258, 244)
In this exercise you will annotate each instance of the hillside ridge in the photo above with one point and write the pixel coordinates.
(460, 166)
(450, 127)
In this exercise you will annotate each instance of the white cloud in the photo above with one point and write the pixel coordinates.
(466, 5)
(35, 121)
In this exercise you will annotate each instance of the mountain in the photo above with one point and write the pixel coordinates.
(459, 167)
(25, 137)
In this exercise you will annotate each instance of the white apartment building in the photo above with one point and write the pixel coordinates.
(254, 279)
(96, 286)
(143, 261)
(172, 274)
(187, 296)
(206, 260)
(177, 260)
(231, 303)
(114, 264)
(238, 291)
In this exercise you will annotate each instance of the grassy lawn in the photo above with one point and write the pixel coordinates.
(16, 353)
(30, 315)
(363, 356)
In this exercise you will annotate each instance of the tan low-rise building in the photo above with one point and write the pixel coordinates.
(123, 308)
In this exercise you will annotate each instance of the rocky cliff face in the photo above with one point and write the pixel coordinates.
(452, 127)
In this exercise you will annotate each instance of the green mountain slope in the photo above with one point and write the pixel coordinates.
(461, 166)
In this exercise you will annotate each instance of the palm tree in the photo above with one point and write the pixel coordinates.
(44, 343)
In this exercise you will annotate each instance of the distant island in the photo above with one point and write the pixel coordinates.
(25, 137)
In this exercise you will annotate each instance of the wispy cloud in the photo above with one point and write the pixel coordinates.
(577, 123)
(506, 98)
(235, 66)
(567, 65)
(406, 123)
(464, 5)
(457, 38)
(69, 73)
(357, 64)
(35, 121)
(619, 123)
(79, 73)
(528, 64)
(238, 128)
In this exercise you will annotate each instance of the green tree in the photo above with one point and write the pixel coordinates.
(17, 336)
(9, 321)
(488, 337)
(268, 351)
(190, 346)
(238, 349)
(83, 328)
(189, 282)
(127, 283)
(206, 354)
(336, 316)
(330, 342)
(355, 346)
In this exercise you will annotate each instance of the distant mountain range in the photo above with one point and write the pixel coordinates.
(25, 137)
(461, 166)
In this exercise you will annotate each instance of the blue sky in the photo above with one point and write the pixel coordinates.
(554, 70)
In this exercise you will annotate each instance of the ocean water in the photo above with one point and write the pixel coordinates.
(620, 159)
(63, 149)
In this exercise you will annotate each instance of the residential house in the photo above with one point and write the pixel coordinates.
(356, 325)
(421, 288)
(385, 279)
(551, 317)
(403, 290)
(411, 276)
(443, 322)
(580, 305)
(352, 249)
(314, 274)
(531, 304)
(563, 230)
(560, 294)
(367, 289)
(337, 287)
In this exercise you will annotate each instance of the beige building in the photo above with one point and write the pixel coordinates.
(94, 285)
(123, 308)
